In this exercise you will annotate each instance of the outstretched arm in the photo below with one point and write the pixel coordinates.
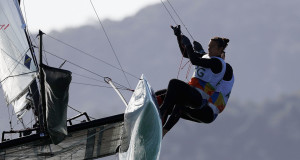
(181, 47)
(196, 59)
(177, 33)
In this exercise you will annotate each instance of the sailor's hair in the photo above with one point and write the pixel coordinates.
(222, 42)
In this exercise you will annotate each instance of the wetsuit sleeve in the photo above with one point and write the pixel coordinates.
(184, 51)
(228, 73)
(181, 47)
(214, 64)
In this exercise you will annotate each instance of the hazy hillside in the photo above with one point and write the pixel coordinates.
(262, 50)
(269, 131)
(259, 122)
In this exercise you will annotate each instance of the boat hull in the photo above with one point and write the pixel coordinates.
(89, 140)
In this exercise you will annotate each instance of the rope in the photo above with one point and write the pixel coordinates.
(180, 19)
(96, 85)
(169, 12)
(110, 43)
(84, 68)
(18, 62)
(188, 71)
(88, 77)
(79, 111)
(17, 75)
(87, 54)
(180, 67)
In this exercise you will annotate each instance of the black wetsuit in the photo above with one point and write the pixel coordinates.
(203, 115)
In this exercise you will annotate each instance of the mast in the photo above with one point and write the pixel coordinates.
(42, 109)
(33, 88)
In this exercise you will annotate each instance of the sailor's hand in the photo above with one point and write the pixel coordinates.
(177, 30)
(198, 47)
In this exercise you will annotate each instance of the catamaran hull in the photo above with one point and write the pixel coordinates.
(89, 140)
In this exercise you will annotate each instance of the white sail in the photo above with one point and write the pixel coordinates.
(142, 125)
(16, 65)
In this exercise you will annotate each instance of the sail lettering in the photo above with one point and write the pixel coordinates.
(3, 26)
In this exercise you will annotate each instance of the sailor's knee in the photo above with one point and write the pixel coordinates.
(174, 82)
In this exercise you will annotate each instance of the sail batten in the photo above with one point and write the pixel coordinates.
(16, 66)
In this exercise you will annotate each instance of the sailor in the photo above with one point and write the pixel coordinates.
(199, 100)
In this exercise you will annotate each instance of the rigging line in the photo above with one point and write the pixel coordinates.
(169, 12)
(74, 64)
(14, 114)
(32, 119)
(21, 55)
(79, 111)
(25, 16)
(179, 67)
(30, 122)
(110, 43)
(83, 68)
(27, 30)
(109, 126)
(188, 71)
(33, 38)
(185, 64)
(95, 85)
(18, 62)
(120, 86)
(9, 117)
(81, 51)
(88, 77)
(44, 56)
(20, 111)
(17, 75)
(180, 19)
